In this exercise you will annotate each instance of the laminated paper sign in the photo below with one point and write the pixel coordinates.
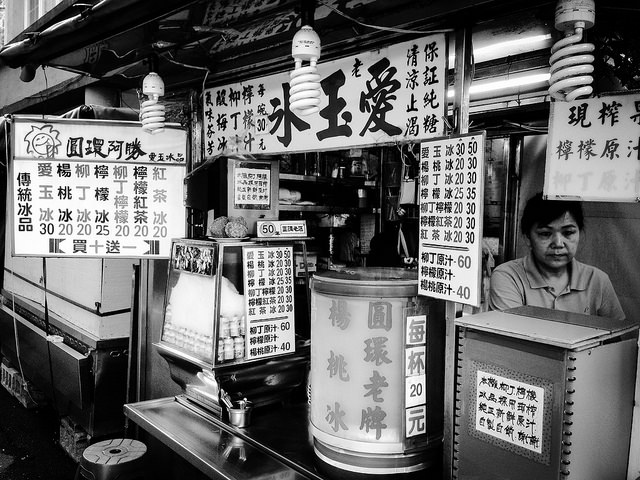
(593, 150)
(89, 188)
(268, 286)
(451, 193)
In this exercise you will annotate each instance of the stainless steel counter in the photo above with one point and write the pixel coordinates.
(276, 445)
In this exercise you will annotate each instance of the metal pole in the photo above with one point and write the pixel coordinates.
(462, 82)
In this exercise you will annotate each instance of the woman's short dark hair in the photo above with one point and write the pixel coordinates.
(539, 210)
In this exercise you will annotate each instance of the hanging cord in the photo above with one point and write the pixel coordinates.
(48, 336)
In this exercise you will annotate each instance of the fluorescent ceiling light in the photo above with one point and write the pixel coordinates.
(507, 48)
(488, 86)
(512, 47)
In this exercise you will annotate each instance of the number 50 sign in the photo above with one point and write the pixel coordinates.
(451, 192)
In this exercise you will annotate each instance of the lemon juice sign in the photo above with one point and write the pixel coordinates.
(95, 188)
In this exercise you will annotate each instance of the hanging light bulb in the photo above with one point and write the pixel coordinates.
(571, 61)
(151, 111)
(304, 83)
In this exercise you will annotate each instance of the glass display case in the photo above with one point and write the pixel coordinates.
(229, 319)
(229, 302)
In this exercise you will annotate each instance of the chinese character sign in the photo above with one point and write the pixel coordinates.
(252, 187)
(86, 188)
(415, 365)
(451, 192)
(510, 410)
(359, 375)
(593, 150)
(394, 94)
(268, 285)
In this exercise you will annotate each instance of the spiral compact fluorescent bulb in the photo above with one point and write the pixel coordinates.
(151, 111)
(304, 83)
(571, 61)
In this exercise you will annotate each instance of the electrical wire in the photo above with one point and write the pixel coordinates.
(48, 333)
(175, 62)
(527, 127)
(378, 27)
(118, 56)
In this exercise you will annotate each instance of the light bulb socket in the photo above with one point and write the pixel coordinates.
(28, 72)
(306, 44)
(152, 85)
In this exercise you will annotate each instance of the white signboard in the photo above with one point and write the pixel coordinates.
(510, 410)
(282, 228)
(252, 187)
(268, 286)
(593, 150)
(88, 188)
(390, 95)
(415, 372)
(451, 204)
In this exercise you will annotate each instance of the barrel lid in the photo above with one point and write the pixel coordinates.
(370, 281)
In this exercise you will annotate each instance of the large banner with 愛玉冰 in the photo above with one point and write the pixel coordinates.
(394, 94)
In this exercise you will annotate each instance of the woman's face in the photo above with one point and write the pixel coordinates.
(554, 245)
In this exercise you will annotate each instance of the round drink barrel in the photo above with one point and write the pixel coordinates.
(377, 372)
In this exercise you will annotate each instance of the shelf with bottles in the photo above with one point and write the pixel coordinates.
(330, 182)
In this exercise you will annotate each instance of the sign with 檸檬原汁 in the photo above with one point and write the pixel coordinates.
(269, 300)
(593, 149)
(451, 193)
(94, 188)
(395, 94)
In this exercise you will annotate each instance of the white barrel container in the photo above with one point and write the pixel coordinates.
(375, 406)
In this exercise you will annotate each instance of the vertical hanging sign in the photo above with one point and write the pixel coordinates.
(268, 286)
(451, 207)
(95, 188)
(415, 371)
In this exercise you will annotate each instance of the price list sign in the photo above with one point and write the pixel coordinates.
(90, 188)
(268, 286)
(451, 203)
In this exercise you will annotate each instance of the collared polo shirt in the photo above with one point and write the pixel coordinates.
(519, 282)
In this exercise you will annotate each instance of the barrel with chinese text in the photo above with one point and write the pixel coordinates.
(377, 372)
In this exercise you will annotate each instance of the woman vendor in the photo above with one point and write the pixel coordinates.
(549, 276)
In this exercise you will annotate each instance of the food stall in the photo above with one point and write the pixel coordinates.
(402, 164)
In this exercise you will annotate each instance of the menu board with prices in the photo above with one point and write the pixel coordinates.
(451, 192)
(396, 93)
(90, 188)
(269, 297)
(593, 150)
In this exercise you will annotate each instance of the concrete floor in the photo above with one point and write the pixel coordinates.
(29, 443)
